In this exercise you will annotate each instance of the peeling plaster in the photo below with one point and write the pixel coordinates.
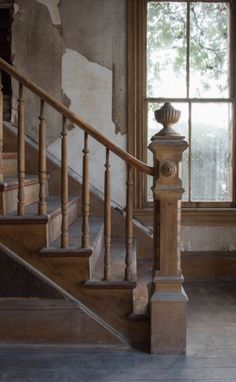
(16, 8)
(88, 85)
(52, 6)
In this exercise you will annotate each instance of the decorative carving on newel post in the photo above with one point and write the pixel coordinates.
(168, 302)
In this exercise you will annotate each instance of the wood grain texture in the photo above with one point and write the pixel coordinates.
(64, 186)
(42, 209)
(85, 195)
(21, 153)
(50, 322)
(107, 219)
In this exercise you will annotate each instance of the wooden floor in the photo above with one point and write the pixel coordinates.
(211, 350)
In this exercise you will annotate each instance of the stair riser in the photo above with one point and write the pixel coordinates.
(9, 167)
(33, 235)
(54, 225)
(8, 198)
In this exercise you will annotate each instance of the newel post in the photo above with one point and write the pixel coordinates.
(168, 301)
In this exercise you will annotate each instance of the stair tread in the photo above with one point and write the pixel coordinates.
(118, 253)
(75, 233)
(11, 181)
(31, 210)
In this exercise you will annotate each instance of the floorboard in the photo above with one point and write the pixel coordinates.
(211, 355)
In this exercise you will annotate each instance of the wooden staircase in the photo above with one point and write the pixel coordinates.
(90, 256)
(79, 271)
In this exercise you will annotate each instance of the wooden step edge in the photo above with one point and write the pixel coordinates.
(97, 284)
(7, 186)
(10, 155)
(35, 219)
(66, 252)
(25, 219)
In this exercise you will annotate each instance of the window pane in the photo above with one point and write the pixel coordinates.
(209, 50)
(182, 128)
(211, 152)
(166, 49)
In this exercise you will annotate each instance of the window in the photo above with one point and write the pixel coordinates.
(187, 59)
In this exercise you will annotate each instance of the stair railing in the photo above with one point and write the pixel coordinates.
(68, 115)
(168, 301)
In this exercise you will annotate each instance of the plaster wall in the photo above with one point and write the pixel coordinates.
(76, 50)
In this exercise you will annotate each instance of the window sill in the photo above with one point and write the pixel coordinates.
(195, 216)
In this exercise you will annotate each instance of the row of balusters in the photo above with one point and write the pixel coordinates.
(42, 203)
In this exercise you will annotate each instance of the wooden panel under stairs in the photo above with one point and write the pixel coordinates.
(31, 231)
(9, 192)
(43, 321)
(57, 318)
(16, 280)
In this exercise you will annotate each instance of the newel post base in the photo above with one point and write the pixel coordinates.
(168, 302)
(168, 316)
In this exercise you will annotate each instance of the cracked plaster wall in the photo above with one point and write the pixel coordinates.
(76, 50)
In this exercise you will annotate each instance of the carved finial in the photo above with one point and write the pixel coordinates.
(167, 116)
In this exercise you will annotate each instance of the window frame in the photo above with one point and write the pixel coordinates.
(138, 103)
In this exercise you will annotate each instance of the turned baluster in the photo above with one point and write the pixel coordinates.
(107, 219)
(64, 186)
(85, 194)
(129, 225)
(21, 153)
(1, 130)
(42, 206)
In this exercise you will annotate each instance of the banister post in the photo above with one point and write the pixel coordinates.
(168, 301)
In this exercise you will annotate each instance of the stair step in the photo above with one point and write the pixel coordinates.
(96, 284)
(9, 164)
(33, 232)
(9, 192)
(11, 182)
(75, 234)
(118, 253)
(74, 250)
(31, 211)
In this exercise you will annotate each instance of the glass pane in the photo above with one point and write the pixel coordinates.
(211, 152)
(166, 49)
(182, 128)
(209, 49)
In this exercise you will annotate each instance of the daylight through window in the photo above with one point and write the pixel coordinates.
(188, 64)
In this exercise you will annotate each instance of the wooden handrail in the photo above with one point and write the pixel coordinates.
(129, 159)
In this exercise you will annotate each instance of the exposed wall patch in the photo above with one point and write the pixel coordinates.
(52, 6)
(88, 85)
(16, 8)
